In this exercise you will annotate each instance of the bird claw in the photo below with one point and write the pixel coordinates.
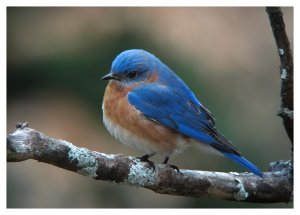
(150, 163)
(174, 167)
(171, 166)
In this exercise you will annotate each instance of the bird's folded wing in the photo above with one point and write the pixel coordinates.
(181, 111)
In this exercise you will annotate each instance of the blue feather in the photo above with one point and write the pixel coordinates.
(175, 112)
(244, 162)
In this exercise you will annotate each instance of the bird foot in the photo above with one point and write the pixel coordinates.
(171, 166)
(145, 159)
(174, 167)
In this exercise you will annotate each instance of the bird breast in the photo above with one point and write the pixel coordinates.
(132, 128)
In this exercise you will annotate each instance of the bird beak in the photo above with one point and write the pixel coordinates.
(109, 76)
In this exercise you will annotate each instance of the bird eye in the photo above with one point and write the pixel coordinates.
(132, 74)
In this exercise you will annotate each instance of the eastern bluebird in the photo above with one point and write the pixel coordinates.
(148, 107)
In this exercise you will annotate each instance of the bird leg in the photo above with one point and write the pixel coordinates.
(166, 160)
(170, 165)
(145, 158)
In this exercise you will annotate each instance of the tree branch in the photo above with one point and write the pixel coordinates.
(286, 69)
(26, 143)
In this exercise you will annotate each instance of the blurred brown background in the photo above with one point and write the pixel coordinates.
(56, 57)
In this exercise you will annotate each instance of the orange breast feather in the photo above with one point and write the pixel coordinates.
(129, 126)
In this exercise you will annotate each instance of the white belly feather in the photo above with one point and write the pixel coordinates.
(132, 140)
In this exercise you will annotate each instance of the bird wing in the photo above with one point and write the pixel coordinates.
(181, 111)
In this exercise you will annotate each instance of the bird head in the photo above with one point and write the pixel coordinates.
(132, 66)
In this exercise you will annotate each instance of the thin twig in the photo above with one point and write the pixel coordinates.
(286, 69)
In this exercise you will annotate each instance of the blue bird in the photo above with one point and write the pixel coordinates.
(148, 107)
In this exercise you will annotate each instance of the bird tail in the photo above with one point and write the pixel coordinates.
(244, 162)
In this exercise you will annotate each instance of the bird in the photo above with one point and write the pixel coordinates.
(148, 107)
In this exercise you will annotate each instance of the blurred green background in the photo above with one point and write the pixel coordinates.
(56, 57)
